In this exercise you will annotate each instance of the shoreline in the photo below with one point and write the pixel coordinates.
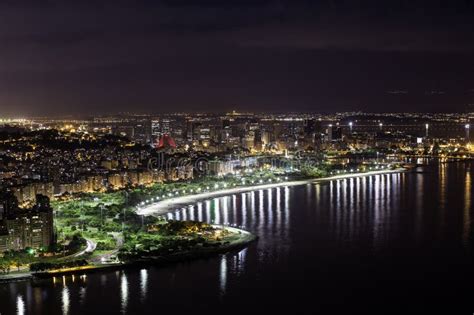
(245, 239)
(165, 206)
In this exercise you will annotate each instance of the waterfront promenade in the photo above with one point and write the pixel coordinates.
(167, 205)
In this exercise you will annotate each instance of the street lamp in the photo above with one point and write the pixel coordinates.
(467, 127)
(427, 128)
(350, 125)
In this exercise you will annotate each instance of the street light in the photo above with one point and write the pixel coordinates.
(467, 127)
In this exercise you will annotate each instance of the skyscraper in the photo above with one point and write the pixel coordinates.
(25, 228)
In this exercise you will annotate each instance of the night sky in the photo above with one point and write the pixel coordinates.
(60, 57)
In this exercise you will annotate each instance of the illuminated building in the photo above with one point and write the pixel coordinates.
(25, 228)
(165, 142)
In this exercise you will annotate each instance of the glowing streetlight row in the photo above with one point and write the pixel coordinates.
(260, 181)
(358, 170)
(215, 187)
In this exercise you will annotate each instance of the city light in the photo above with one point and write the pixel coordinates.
(139, 139)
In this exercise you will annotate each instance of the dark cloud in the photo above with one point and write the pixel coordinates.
(61, 56)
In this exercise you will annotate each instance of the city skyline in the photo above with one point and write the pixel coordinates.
(236, 156)
(5, 119)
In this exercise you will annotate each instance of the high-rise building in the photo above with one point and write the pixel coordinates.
(8, 205)
(155, 128)
(334, 133)
(165, 126)
(258, 143)
(310, 126)
(143, 131)
(26, 228)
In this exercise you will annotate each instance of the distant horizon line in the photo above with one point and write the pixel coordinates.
(223, 113)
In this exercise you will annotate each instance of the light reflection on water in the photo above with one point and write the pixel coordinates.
(467, 209)
(223, 274)
(65, 300)
(20, 305)
(144, 283)
(262, 209)
(82, 295)
(344, 213)
(124, 292)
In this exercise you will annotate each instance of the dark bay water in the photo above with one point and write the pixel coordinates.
(386, 243)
